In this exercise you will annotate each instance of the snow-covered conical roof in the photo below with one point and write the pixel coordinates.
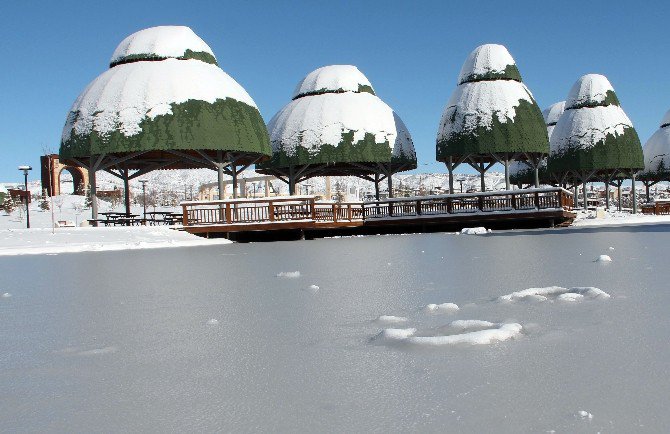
(332, 121)
(488, 62)
(657, 153)
(162, 42)
(594, 133)
(591, 90)
(333, 79)
(164, 102)
(491, 110)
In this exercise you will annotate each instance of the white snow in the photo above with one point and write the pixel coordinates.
(441, 308)
(37, 241)
(589, 88)
(345, 78)
(317, 120)
(289, 274)
(475, 231)
(213, 321)
(123, 96)
(553, 113)
(6, 295)
(585, 127)
(390, 319)
(583, 414)
(472, 332)
(657, 148)
(475, 104)
(314, 288)
(604, 258)
(485, 59)
(161, 41)
(550, 293)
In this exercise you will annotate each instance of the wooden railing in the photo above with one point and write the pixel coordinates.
(285, 209)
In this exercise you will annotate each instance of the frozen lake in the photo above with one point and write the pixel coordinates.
(210, 339)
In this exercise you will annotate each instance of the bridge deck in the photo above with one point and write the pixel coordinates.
(522, 208)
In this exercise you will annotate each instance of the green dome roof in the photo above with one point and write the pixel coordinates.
(594, 133)
(331, 121)
(162, 42)
(173, 103)
(491, 111)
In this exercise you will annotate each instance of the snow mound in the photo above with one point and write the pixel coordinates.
(441, 308)
(313, 288)
(98, 351)
(604, 258)
(583, 414)
(390, 319)
(552, 293)
(590, 90)
(160, 42)
(475, 231)
(468, 332)
(213, 321)
(289, 274)
(333, 78)
(485, 60)
(6, 295)
(121, 97)
(473, 105)
(395, 334)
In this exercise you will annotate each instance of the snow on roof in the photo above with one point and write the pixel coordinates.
(318, 120)
(657, 149)
(474, 104)
(333, 78)
(589, 91)
(160, 42)
(121, 97)
(553, 113)
(489, 61)
(586, 127)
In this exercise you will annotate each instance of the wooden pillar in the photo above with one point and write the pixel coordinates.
(633, 192)
(267, 187)
(575, 198)
(481, 176)
(450, 169)
(219, 172)
(93, 190)
(291, 181)
(506, 164)
(389, 179)
(234, 173)
(126, 191)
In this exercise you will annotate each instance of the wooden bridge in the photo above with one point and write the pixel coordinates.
(263, 218)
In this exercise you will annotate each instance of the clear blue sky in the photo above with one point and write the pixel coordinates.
(411, 52)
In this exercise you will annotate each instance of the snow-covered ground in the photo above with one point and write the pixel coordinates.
(616, 218)
(15, 239)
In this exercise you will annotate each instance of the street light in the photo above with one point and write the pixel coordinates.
(25, 179)
(144, 197)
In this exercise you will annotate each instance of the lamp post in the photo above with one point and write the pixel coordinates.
(25, 180)
(144, 197)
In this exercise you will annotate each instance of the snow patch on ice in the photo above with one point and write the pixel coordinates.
(213, 321)
(6, 295)
(289, 274)
(390, 319)
(583, 414)
(604, 258)
(552, 293)
(98, 351)
(475, 231)
(469, 332)
(441, 308)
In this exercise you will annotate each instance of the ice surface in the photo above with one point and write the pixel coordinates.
(289, 362)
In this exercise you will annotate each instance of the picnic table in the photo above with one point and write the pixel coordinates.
(116, 218)
(166, 217)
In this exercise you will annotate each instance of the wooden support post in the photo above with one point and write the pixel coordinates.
(417, 207)
(607, 195)
(389, 179)
(576, 196)
(335, 213)
(271, 211)
(377, 186)
(312, 208)
(126, 191)
(506, 164)
(646, 185)
(537, 174)
(219, 174)
(513, 201)
(537, 200)
(633, 192)
(618, 188)
(584, 194)
(93, 189)
(234, 173)
(228, 214)
(450, 206)
(481, 176)
(480, 203)
(350, 213)
(184, 218)
(390, 209)
(450, 169)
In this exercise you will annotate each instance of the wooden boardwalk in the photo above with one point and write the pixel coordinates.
(503, 209)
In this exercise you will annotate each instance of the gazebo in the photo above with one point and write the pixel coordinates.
(336, 125)
(522, 173)
(594, 139)
(164, 103)
(657, 156)
(491, 117)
